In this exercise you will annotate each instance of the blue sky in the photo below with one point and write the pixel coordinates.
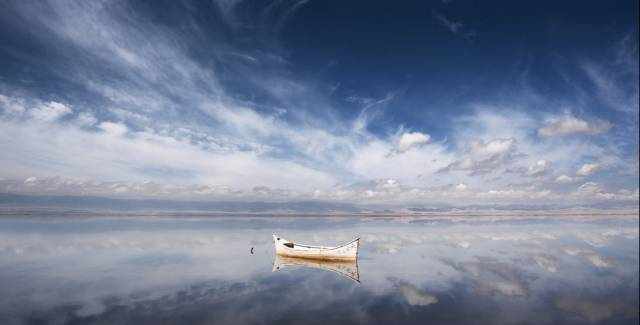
(367, 101)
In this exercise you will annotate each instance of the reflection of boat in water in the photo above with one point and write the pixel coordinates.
(344, 268)
(345, 252)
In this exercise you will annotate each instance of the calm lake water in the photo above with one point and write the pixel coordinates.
(170, 270)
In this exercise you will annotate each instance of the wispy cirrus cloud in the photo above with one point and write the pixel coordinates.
(455, 27)
(484, 157)
(568, 124)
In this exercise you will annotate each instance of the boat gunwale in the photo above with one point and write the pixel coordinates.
(321, 247)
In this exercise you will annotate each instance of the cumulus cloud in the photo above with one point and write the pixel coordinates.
(563, 179)
(568, 124)
(540, 168)
(495, 147)
(594, 191)
(588, 169)
(461, 187)
(411, 140)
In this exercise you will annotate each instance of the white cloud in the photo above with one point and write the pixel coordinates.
(539, 168)
(183, 163)
(379, 191)
(588, 169)
(244, 119)
(495, 147)
(594, 191)
(611, 88)
(562, 179)
(590, 188)
(416, 297)
(485, 157)
(568, 124)
(547, 262)
(371, 160)
(86, 119)
(31, 180)
(515, 195)
(50, 111)
(453, 26)
(191, 131)
(412, 140)
(114, 129)
(86, 154)
(11, 105)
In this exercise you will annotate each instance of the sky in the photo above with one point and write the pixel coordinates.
(418, 102)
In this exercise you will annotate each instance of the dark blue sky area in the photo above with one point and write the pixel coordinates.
(373, 46)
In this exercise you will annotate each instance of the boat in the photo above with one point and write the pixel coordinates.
(347, 269)
(345, 252)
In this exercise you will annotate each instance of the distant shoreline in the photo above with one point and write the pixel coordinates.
(94, 206)
(487, 215)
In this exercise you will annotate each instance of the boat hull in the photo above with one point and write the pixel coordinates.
(346, 252)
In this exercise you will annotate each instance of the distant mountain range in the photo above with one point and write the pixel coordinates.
(13, 202)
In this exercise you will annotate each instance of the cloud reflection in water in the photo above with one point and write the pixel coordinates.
(152, 270)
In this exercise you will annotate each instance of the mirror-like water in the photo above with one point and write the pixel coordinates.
(152, 270)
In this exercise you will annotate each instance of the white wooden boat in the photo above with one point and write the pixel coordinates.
(348, 269)
(345, 252)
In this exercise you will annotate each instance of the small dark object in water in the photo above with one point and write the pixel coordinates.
(251, 250)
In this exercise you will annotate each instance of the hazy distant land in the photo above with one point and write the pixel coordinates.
(15, 204)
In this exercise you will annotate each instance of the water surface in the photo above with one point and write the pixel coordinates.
(170, 270)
